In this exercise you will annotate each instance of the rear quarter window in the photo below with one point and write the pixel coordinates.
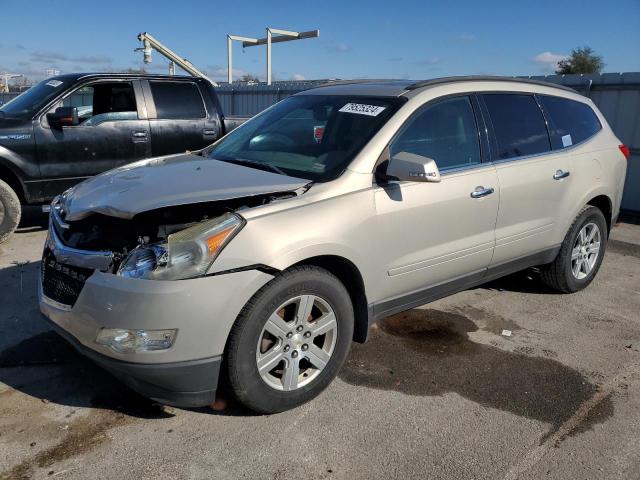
(177, 100)
(571, 122)
(518, 124)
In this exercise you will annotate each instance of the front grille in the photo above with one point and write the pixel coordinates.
(62, 283)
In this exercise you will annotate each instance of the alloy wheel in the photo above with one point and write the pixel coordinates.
(296, 342)
(585, 251)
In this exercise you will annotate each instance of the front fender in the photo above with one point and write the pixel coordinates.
(343, 226)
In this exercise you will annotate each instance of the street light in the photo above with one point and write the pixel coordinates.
(274, 35)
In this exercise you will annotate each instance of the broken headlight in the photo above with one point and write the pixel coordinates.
(186, 254)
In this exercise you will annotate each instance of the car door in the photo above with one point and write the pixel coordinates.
(178, 117)
(437, 236)
(113, 131)
(534, 180)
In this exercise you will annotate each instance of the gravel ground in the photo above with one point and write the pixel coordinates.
(437, 392)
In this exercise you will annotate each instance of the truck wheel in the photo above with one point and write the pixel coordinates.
(9, 211)
(290, 340)
(581, 253)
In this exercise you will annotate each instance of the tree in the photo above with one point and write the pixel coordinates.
(247, 77)
(136, 71)
(581, 60)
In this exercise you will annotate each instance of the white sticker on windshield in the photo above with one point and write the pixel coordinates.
(566, 141)
(54, 83)
(371, 110)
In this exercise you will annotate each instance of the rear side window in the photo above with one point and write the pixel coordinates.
(177, 100)
(518, 124)
(571, 122)
(445, 132)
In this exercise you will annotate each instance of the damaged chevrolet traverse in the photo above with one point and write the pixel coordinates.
(258, 260)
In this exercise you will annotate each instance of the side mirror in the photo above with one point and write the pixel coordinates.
(405, 166)
(63, 117)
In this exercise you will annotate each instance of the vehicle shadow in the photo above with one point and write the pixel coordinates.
(427, 352)
(33, 219)
(38, 362)
(525, 281)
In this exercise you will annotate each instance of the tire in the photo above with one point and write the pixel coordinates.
(266, 332)
(561, 273)
(10, 211)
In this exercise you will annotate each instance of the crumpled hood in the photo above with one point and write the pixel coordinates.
(169, 181)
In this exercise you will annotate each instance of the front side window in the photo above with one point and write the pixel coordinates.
(177, 100)
(445, 132)
(572, 122)
(518, 124)
(102, 102)
(307, 136)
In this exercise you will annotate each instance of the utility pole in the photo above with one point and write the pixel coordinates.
(274, 35)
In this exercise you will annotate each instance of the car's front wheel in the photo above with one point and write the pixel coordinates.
(9, 211)
(290, 340)
(581, 253)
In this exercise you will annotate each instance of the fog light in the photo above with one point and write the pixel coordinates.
(135, 341)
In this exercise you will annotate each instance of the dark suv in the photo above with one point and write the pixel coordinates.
(71, 127)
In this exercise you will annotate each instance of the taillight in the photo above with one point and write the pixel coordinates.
(625, 151)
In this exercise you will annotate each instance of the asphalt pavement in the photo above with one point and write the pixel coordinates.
(439, 392)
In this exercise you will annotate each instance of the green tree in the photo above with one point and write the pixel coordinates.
(247, 77)
(581, 60)
(136, 71)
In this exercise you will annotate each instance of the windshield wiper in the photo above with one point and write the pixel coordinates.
(255, 164)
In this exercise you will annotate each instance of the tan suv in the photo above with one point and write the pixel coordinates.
(259, 259)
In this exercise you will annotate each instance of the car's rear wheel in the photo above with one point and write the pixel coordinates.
(581, 253)
(290, 340)
(9, 211)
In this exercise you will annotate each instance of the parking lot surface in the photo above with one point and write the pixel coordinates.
(439, 392)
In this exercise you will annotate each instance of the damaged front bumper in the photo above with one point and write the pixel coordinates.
(202, 310)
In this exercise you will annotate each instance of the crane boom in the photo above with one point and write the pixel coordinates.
(150, 42)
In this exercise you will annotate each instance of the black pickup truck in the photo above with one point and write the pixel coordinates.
(70, 127)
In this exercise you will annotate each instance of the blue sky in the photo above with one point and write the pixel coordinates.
(374, 39)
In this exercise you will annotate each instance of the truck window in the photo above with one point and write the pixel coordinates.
(518, 124)
(177, 100)
(103, 102)
(571, 122)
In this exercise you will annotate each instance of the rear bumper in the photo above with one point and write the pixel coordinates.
(181, 384)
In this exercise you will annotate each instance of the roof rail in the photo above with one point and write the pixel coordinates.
(480, 78)
(329, 83)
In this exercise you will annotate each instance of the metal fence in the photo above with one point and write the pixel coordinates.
(617, 95)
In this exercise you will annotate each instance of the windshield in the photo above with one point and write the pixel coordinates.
(313, 137)
(36, 97)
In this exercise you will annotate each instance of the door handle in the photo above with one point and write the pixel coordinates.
(139, 134)
(560, 174)
(208, 133)
(480, 192)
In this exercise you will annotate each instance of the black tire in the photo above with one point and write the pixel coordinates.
(10, 211)
(558, 274)
(243, 377)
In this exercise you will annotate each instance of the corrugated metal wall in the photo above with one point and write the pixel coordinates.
(247, 100)
(616, 94)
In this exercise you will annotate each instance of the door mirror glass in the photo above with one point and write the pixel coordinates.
(410, 167)
(63, 117)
